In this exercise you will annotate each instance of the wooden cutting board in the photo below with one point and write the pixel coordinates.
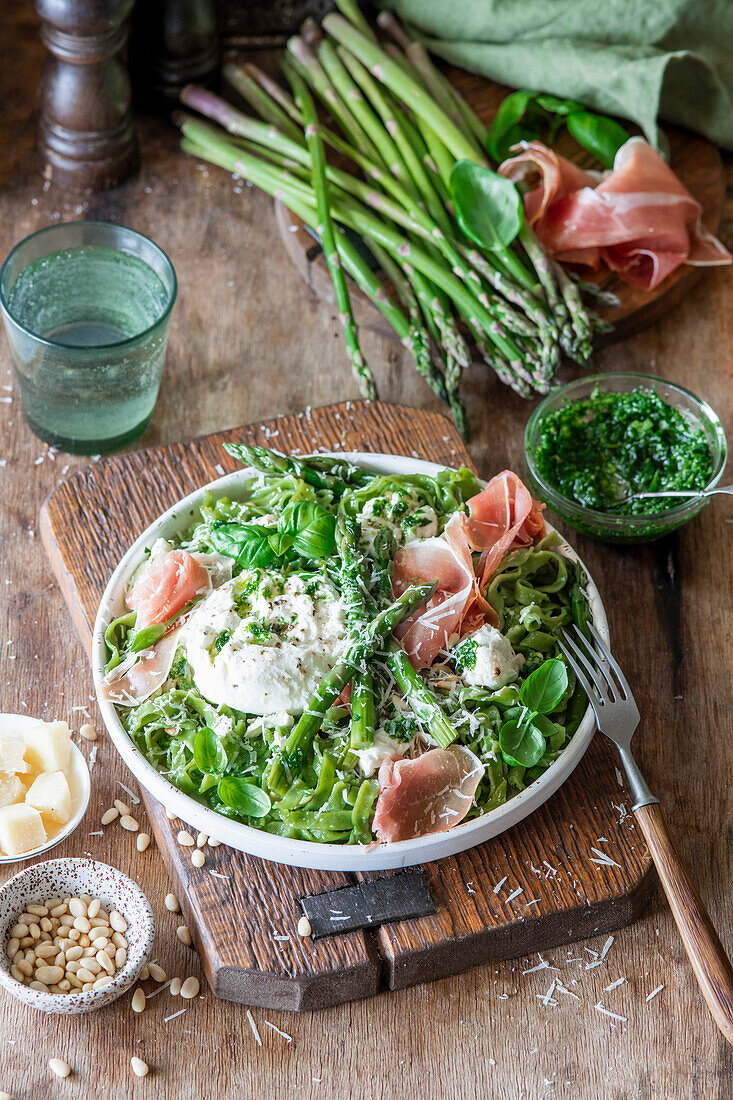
(575, 868)
(695, 160)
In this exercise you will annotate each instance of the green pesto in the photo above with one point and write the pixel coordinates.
(598, 450)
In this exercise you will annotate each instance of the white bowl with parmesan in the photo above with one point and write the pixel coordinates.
(301, 853)
(41, 812)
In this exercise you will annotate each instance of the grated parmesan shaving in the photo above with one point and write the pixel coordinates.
(653, 993)
(286, 1037)
(499, 885)
(133, 797)
(167, 1019)
(253, 1025)
(613, 1015)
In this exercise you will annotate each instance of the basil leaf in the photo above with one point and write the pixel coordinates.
(601, 136)
(504, 130)
(488, 207)
(243, 797)
(280, 541)
(521, 744)
(248, 543)
(555, 106)
(544, 688)
(208, 753)
(313, 529)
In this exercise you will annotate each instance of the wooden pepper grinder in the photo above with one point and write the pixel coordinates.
(173, 43)
(86, 138)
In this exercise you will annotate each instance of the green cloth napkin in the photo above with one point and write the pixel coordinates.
(639, 59)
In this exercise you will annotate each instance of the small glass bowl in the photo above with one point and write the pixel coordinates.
(608, 526)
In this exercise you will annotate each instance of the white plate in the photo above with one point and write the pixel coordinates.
(12, 725)
(305, 853)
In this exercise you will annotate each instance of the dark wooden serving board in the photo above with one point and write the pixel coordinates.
(244, 911)
(695, 160)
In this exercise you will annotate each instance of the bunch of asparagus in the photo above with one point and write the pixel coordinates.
(402, 126)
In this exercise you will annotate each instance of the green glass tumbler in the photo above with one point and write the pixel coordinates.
(87, 308)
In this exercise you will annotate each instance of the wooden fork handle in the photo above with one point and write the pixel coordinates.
(712, 966)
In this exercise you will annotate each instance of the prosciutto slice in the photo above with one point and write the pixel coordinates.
(166, 587)
(429, 794)
(639, 220)
(447, 560)
(502, 516)
(141, 674)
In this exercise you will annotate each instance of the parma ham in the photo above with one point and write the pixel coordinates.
(429, 794)
(166, 586)
(639, 220)
(141, 674)
(502, 516)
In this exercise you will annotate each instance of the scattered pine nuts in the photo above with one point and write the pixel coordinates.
(175, 988)
(74, 948)
(142, 841)
(59, 1067)
(304, 926)
(198, 858)
(213, 843)
(144, 974)
(190, 988)
(170, 814)
(157, 973)
(186, 839)
(184, 935)
(171, 904)
(139, 1068)
(138, 1000)
(88, 732)
(202, 840)
(109, 815)
(129, 823)
(122, 807)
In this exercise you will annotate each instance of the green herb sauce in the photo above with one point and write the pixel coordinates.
(598, 450)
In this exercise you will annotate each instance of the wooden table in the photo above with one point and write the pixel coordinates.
(248, 342)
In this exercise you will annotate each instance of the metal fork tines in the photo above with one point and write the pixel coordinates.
(610, 696)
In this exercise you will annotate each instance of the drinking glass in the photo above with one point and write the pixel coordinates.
(87, 308)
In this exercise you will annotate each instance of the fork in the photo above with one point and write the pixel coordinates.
(617, 716)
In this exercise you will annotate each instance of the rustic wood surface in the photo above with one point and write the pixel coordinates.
(86, 525)
(248, 342)
(696, 162)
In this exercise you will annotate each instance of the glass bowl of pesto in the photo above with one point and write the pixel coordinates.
(594, 442)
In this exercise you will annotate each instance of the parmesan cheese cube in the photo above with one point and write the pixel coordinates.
(49, 793)
(12, 752)
(11, 789)
(48, 748)
(21, 829)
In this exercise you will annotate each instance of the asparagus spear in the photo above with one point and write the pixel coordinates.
(326, 233)
(360, 650)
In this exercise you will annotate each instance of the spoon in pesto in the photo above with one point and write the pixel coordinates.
(701, 493)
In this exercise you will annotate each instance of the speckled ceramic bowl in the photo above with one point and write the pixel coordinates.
(63, 877)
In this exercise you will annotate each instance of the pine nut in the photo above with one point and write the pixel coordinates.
(117, 921)
(12, 947)
(198, 859)
(184, 935)
(27, 941)
(37, 910)
(85, 975)
(88, 732)
(87, 986)
(105, 962)
(102, 983)
(138, 1000)
(304, 926)
(89, 952)
(46, 951)
(185, 839)
(46, 925)
(157, 973)
(93, 908)
(17, 974)
(18, 956)
(109, 815)
(129, 823)
(35, 931)
(75, 934)
(201, 840)
(49, 975)
(19, 931)
(142, 842)
(84, 940)
(60, 909)
(170, 814)
(172, 904)
(175, 987)
(213, 843)
(64, 985)
(190, 988)
(59, 1067)
(38, 986)
(144, 974)
(122, 807)
(119, 940)
(99, 922)
(120, 957)
(139, 1068)
(77, 907)
(75, 983)
(26, 967)
(92, 966)
(73, 965)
